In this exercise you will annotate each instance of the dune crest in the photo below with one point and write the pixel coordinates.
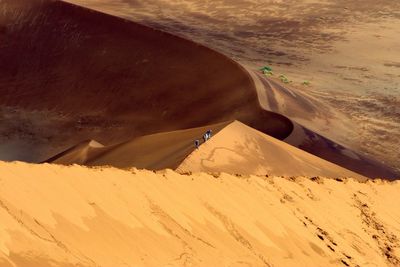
(240, 149)
(234, 148)
(326, 43)
(155, 151)
(77, 216)
(78, 154)
(82, 74)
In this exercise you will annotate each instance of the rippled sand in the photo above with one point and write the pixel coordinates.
(75, 216)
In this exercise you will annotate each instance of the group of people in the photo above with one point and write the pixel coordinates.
(206, 136)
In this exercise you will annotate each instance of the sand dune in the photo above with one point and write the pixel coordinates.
(239, 149)
(78, 154)
(154, 152)
(74, 216)
(69, 74)
(234, 148)
(256, 194)
(347, 51)
(324, 148)
(307, 110)
(104, 78)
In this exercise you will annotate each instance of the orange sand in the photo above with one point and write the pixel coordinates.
(74, 216)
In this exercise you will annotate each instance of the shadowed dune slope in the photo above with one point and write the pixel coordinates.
(349, 52)
(324, 148)
(109, 79)
(306, 110)
(78, 154)
(156, 151)
(69, 74)
(234, 148)
(75, 216)
(243, 150)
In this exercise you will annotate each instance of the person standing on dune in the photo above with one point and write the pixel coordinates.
(209, 132)
(197, 143)
(207, 135)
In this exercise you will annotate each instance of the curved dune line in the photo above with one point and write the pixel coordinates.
(89, 75)
(72, 61)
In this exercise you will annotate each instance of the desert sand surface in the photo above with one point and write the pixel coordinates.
(347, 50)
(239, 149)
(55, 215)
(234, 148)
(152, 152)
(107, 79)
(110, 96)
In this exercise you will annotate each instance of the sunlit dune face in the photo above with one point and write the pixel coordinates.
(345, 47)
(76, 216)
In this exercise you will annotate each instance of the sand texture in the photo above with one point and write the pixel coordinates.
(76, 216)
(101, 102)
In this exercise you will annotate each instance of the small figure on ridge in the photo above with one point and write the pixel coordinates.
(209, 132)
(205, 137)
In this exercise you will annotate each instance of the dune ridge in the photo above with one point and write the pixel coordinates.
(234, 148)
(155, 151)
(327, 43)
(108, 79)
(79, 216)
(240, 149)
(104, 78)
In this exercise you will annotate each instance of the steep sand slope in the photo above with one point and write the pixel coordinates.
(83, 75)
(73, 216)
(77, 154)
(236, 148)
(240, 149)
(347, 49)
(69, 74)
(169, 149)
(154, 152)
(324, 148)
(306, 110)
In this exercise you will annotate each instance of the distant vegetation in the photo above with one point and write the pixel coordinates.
(267, 71)
(284, 79)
